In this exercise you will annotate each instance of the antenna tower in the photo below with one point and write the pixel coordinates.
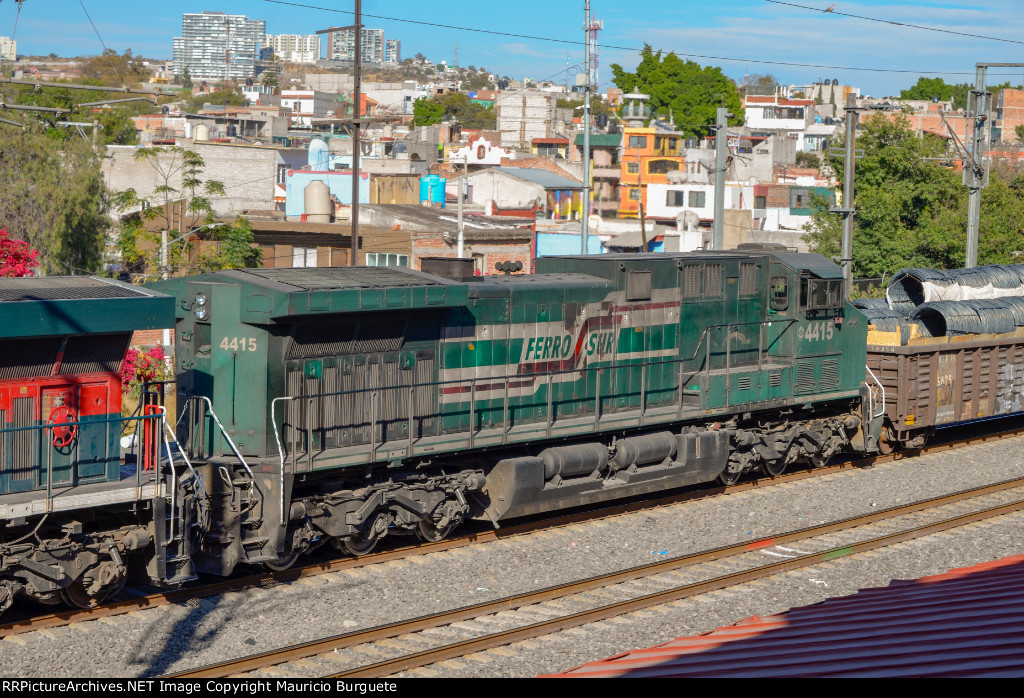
(595, 26)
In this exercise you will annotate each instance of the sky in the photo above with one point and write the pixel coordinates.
(740, 36)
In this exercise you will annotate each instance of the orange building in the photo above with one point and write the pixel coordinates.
(648, 155)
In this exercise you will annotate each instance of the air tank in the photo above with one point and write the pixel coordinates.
(318, 202)
(202, 132)
(569, 461)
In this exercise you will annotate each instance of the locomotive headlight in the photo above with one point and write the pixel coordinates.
(201, 313)
(201, 298)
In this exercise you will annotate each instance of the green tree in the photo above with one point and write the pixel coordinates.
(1019, 130)
(454, 105)
(182, 199)
(185, 79)
(235, 249)
(690, 91)
(114, 70)
(926, 88)
(912, 212)
(53, 197)
(272, 72)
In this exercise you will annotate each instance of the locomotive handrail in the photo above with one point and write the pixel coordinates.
(234, 449)
(548, 376)
(40, 428)
(881, 387)
(280, 450)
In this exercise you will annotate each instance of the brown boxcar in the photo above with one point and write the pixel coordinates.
(942, 382)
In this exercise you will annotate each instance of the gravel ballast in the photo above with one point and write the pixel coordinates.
(178, 637)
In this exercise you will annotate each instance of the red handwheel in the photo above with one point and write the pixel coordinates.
(63, 432)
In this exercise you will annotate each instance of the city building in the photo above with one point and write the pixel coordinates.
(766, 115)
(523, 116)
(605, 170)
(215, 46)
(649, 155)
(341, 44)
(8, 49)
(294, 48)
(393, 51)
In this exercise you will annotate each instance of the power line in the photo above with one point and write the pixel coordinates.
(894, 22)
(493, 32)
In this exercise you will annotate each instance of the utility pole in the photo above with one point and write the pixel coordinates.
(640, 203)
(847, 211)
(462, 191)
(721, 154)
(356, 113)
(585, 218)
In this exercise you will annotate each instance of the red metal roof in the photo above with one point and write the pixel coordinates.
(967, 622)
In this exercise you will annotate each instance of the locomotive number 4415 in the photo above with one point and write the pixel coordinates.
(238, 343)
(816, 331)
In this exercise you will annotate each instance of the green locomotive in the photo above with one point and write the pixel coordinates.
(344, 404)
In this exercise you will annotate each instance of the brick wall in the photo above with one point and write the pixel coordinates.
(149, 338)
(485, 254)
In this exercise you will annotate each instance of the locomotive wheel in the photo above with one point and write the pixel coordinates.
(282, 563)
(774, 468)
(818, 460)
(429, 532)
(361, 544)
(77, 596)
(885, 443)
(729, 478)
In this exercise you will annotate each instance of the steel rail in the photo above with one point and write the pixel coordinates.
(387, 668)
(164, 598)
(308, 649)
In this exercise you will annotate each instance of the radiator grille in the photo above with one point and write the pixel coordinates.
(743, 383)
(774, 379)
(379, 336)
(26, 358)
(322, 340)
(94, 354)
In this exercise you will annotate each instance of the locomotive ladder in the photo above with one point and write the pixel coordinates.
(250, 502)
(183, 499)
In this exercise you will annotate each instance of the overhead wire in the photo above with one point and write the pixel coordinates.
(572, 42)
(894, 22)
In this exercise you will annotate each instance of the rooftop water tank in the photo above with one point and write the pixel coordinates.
(202, 132)
(432, 189)
(318, 202)
(318, 155)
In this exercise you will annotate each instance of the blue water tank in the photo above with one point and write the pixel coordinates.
(432, 189)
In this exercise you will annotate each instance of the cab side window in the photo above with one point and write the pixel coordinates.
(780, 293)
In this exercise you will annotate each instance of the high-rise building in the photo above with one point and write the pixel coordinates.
(393, 51)
(214, 45)
(8, 49)
(294, 48)
(341, 44)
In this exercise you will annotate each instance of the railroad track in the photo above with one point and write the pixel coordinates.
(271, 579)
(533, 615)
